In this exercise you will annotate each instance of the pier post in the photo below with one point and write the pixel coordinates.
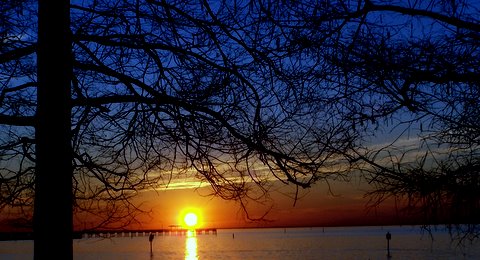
(150, 239)
(388, 236)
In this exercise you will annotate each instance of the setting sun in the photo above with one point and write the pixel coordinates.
(190, 219)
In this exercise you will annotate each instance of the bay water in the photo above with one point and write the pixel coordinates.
(407, 242)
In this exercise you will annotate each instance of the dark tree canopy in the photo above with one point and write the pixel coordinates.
(162, 88)
(238, 92)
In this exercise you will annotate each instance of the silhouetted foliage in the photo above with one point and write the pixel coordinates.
(238, 92)
(410, 70)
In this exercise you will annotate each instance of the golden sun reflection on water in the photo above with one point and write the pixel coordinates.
(191, 246)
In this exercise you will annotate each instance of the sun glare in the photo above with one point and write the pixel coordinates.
(190, 218)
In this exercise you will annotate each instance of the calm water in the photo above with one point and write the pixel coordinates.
(294, 243)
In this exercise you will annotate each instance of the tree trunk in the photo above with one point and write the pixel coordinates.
(53, 221)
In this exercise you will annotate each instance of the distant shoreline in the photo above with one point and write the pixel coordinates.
(29, 235)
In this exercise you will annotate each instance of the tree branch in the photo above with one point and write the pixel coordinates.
(17, 53)
(369, 6)
(17, 120)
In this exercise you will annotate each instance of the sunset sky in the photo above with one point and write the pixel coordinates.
(316, 207)
(336, 203)
(223, 94)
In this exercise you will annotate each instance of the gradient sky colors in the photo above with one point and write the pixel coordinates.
(317, 206)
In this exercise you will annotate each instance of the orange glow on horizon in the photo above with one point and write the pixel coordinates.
(319, 208)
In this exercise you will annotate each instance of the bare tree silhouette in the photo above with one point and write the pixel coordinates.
(235, 93)
(410, 70)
